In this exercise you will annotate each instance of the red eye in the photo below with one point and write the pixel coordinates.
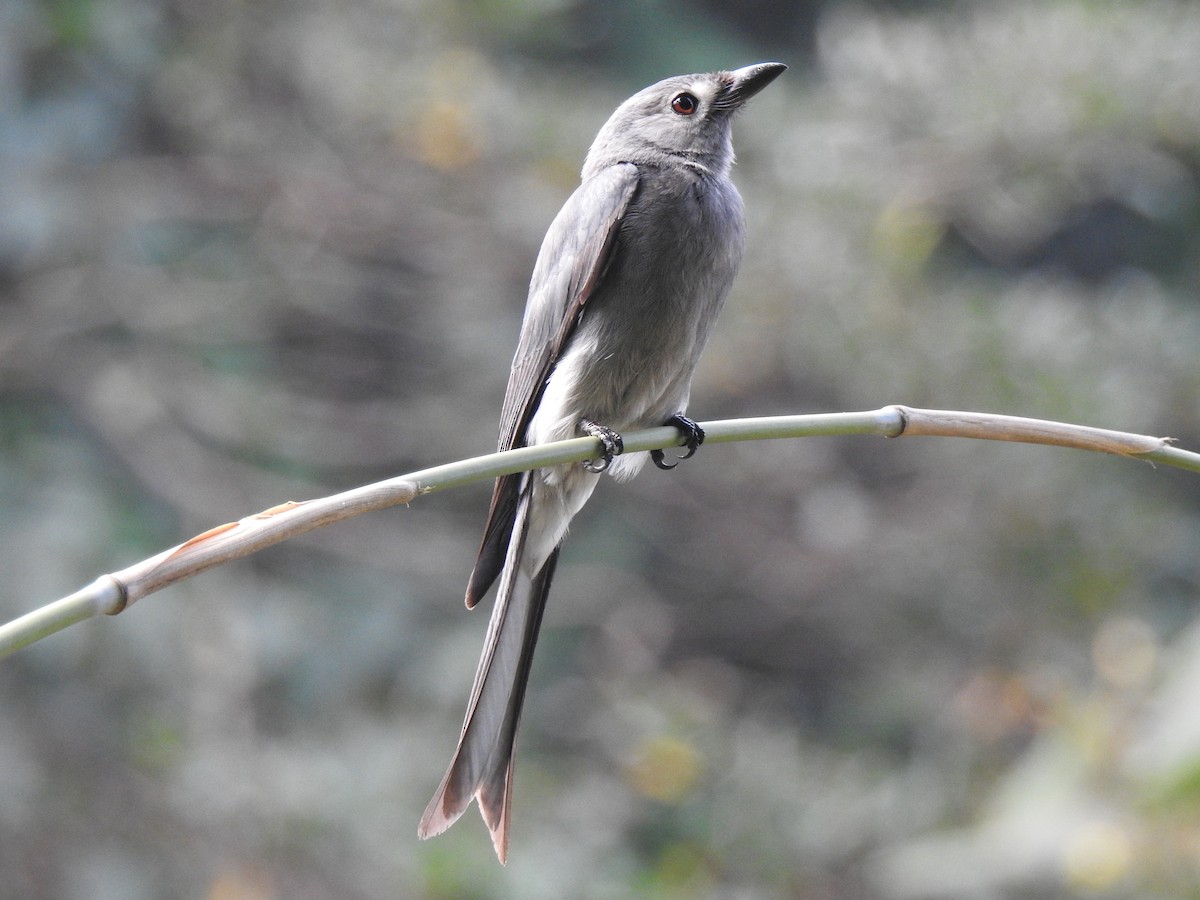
(684, 104)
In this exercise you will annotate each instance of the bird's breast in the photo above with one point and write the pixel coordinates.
(631, 359)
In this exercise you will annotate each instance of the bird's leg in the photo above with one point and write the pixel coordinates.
(693, 438)
(613, 445)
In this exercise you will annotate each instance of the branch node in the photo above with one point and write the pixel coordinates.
(901, 415)
(121, 600)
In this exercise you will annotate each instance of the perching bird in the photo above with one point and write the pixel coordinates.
(626, 289)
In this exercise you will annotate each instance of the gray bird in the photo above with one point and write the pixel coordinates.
(625, 291)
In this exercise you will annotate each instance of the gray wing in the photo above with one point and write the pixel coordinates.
(570, 265)
(569, 269)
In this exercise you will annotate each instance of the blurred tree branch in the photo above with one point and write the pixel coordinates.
(113, 593)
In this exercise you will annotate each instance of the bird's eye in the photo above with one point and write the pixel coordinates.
(684, 104)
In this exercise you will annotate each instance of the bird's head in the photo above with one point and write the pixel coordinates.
(680, 121)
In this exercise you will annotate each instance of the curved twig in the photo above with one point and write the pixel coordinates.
(113, 593)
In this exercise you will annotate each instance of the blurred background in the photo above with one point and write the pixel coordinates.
(252, 252)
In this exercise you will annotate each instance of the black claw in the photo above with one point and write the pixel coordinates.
(693, 438)
(657, 457)
(613, 445)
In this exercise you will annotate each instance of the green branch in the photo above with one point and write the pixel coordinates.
(115, 592)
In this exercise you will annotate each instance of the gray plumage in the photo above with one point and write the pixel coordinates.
(627, 287)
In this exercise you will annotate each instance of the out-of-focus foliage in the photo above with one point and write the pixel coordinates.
(259, 251)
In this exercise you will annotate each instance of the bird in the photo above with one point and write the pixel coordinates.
(625, 291)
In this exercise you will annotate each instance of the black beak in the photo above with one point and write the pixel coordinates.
(744, 83)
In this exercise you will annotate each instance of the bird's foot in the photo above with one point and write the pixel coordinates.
(613, 445)
(693, 438)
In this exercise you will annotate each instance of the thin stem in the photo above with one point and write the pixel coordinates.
(111, 594)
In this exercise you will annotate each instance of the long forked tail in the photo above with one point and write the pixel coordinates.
(482, 766)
